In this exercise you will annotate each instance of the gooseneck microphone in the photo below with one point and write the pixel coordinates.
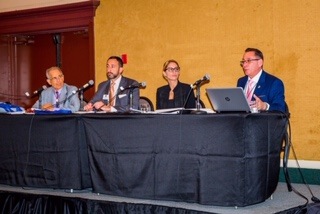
(141, 84)
(36, 92)
(200, 81)
(131, 87)
(198, 84)
(90, 83)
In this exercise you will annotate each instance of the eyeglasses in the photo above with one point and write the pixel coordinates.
(176, 69)
(247, 61)
(57, 78)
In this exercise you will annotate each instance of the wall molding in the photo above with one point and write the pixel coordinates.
(306, 164)
(49, 19)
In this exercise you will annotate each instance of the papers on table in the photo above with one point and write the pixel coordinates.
(181, 110)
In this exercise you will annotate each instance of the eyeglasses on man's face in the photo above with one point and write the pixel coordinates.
(247, 61)
(57, 77)
(176, 69)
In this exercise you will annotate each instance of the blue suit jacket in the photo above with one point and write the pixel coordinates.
(269, 89)
(67, 99)
(122, 98)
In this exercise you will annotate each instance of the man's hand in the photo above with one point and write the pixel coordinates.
(101, 106)
(262, 106)
(88, 107)
(48, 106)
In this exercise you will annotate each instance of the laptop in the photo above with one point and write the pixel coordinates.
(228, 99)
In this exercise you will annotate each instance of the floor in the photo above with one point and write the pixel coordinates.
(281, 200)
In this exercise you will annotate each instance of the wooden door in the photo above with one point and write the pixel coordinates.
(27, 48)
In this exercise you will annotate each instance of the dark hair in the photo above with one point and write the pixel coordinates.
(165, 65)
(118, 59)
(256, 51)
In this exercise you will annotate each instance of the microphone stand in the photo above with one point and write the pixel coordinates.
(81, 100)
(198, 111)
(131, 99)
(68, 98)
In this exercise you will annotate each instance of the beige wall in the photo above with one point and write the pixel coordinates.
(209, 36)
(8, 5)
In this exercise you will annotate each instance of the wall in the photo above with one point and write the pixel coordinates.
(209, 36)
(6, 5)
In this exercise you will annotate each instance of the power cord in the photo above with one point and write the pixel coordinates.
(289, 142)
(313, 198)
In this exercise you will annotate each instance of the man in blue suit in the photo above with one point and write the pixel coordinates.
(123, 95)
(265, 89)
(60, 95)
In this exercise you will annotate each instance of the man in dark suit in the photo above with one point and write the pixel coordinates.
(119, 97)
(60, 95)
(261, 88)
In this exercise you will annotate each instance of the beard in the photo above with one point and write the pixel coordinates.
(111, 75)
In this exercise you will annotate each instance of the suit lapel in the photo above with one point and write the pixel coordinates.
(63, 95)
(243, 82)
(123, 83)
(261, 84)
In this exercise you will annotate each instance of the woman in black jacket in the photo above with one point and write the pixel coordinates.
(175, 94)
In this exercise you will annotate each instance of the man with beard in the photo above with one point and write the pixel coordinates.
(114, 95)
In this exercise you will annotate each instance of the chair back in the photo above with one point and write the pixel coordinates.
(146, 103)
(202, 104)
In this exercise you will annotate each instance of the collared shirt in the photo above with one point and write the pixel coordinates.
(255, 79)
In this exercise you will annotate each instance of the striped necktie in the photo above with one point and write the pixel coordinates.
(250, 89)
(57, 95)
(112, 94)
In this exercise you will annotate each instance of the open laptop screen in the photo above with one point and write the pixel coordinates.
(228, 99)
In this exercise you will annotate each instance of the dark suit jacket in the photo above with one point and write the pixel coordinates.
(269, 89)
(181, 92)
(123, 98)
(67, 99)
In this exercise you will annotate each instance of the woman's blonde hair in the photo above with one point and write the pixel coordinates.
(165, 65)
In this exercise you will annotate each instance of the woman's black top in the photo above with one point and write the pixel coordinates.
(182, 92)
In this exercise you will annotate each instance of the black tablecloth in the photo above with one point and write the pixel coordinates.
(43, 151)
(228, 160)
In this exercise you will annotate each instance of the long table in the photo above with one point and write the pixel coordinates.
(43, 151)
(225, 160)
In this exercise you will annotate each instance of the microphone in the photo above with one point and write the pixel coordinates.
(38, 91)
(90, 83)
(203, 79)
(141, 84)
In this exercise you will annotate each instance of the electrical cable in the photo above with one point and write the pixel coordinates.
(286, 173)
(313, 198)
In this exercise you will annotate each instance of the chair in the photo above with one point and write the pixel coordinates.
(146, 102)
